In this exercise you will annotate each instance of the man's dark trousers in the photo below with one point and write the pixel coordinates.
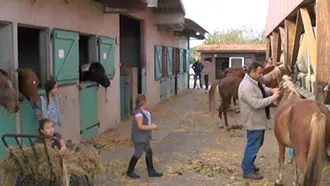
(255, 139)
(199, 75)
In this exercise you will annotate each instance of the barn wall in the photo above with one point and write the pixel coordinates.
(151, 37)
(77, 15)
(85, 16)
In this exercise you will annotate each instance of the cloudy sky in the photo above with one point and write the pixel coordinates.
(222, 14)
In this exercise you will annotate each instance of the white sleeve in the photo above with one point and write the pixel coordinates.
(138, 115)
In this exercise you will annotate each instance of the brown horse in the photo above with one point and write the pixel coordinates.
(273, 75)
(303, 125)
(28, 85)
(8, 96)
(227, 88)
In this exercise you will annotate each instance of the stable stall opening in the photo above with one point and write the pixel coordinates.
(32, 51)
(83, 50)
(130, 57)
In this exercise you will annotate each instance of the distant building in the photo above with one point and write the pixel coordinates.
(219, 57)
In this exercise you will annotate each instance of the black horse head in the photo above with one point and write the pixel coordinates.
(95, 73)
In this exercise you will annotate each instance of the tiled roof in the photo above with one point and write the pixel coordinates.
(232, 48)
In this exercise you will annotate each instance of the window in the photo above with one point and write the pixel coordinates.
(184, 61)
(236, 62)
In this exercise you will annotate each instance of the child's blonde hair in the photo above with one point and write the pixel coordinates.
(141, 99)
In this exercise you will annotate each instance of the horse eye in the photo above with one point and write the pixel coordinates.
(34, 82)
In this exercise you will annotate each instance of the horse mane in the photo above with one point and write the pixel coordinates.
(276, 72)
(287, 83)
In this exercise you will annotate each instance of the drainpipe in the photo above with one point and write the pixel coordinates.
(188, 83)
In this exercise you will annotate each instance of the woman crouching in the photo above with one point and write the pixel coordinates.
(141, 136)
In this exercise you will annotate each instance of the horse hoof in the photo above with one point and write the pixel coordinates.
(276, 184)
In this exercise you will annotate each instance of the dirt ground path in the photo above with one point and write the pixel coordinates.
(190, 149)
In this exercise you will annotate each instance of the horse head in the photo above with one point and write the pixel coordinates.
(94, 72)
(98, 74)
(8, 96)
(274, 76)
(28, 85)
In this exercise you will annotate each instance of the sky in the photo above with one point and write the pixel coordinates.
(215, 15)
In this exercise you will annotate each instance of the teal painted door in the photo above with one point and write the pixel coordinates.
(143, 81)
(65, 56)
(158, 62)
(184, 81)
(163, 89)
(172, 86)
(107, 55)
(7, 126)
(28, 121)
(88, 110)
(124, 96)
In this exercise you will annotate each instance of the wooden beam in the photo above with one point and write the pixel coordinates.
(293, 31)
(283, 44)
(309, 34)
(276, 46)
(323, 49)
(268, 48)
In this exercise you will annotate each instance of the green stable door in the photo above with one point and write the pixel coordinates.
(124, 96)
(7, 126)
(28, 120)
(89, 123)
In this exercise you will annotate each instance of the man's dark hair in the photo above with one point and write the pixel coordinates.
(254, 65)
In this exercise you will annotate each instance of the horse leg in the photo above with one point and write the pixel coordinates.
(220, 111)
(225, 111)
(295, 171)
(300, 159)
(281, 157)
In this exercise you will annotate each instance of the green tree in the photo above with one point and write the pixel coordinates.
(243, 35)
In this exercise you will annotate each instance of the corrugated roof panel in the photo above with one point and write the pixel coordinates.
(278, 10)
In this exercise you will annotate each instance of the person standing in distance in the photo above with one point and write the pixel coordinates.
(198, 68)
(254, 101)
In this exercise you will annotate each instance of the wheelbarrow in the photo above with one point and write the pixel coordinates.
(21, 181)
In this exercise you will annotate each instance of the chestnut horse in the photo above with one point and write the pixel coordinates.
(28, 84)
(304, 126)
(227, 87)
(273, 75)
(8, 96)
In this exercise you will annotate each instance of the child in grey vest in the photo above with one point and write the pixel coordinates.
(140, 136)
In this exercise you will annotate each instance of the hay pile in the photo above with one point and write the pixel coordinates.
(83, 162)
(110, 140)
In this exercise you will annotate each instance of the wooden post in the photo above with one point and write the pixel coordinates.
(309, 34)
(283, 44)
(268, 48)
(323, 49)
(276, 46)
(293, 31)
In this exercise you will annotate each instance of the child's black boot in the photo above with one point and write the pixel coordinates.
(130, 172)
(150, 166)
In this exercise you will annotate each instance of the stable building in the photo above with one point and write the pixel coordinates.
(216, 58)
(144, 48)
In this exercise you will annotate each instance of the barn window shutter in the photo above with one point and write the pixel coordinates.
(158, 62)
(169, 61)
(187, 61)
(107, 55)
(65, 57)
(181, 61)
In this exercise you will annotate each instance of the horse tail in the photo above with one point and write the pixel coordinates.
(212, 96)
(315, 158)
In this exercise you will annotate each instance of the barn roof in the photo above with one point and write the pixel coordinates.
(278, 10)
(239, 48)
